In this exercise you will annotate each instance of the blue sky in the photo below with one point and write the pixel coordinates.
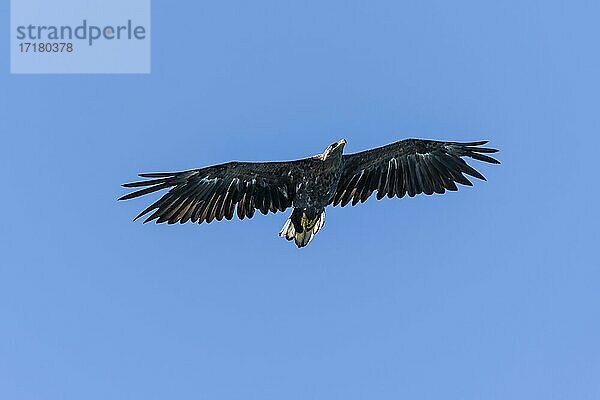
(490, 292)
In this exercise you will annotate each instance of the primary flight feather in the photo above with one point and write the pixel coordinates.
(410, 166)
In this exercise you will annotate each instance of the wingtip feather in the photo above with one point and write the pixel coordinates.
(157, 174)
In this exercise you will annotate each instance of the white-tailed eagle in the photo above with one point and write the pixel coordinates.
(411, 166)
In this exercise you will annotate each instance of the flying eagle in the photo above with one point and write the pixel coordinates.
(410, 166)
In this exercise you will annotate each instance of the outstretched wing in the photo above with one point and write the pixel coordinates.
(410, 166)
(214, 192)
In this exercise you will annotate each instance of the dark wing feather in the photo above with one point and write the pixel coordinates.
(217, 192)
(410, 166)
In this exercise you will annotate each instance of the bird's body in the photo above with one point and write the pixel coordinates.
(410, 166)
(317, 185)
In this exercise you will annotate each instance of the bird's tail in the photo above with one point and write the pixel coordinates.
(303, 225)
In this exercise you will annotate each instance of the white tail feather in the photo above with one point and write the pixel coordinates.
(303, 238)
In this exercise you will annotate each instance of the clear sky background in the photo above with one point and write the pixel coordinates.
(488, 293)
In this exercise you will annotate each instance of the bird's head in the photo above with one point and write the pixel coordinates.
(334, 149)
